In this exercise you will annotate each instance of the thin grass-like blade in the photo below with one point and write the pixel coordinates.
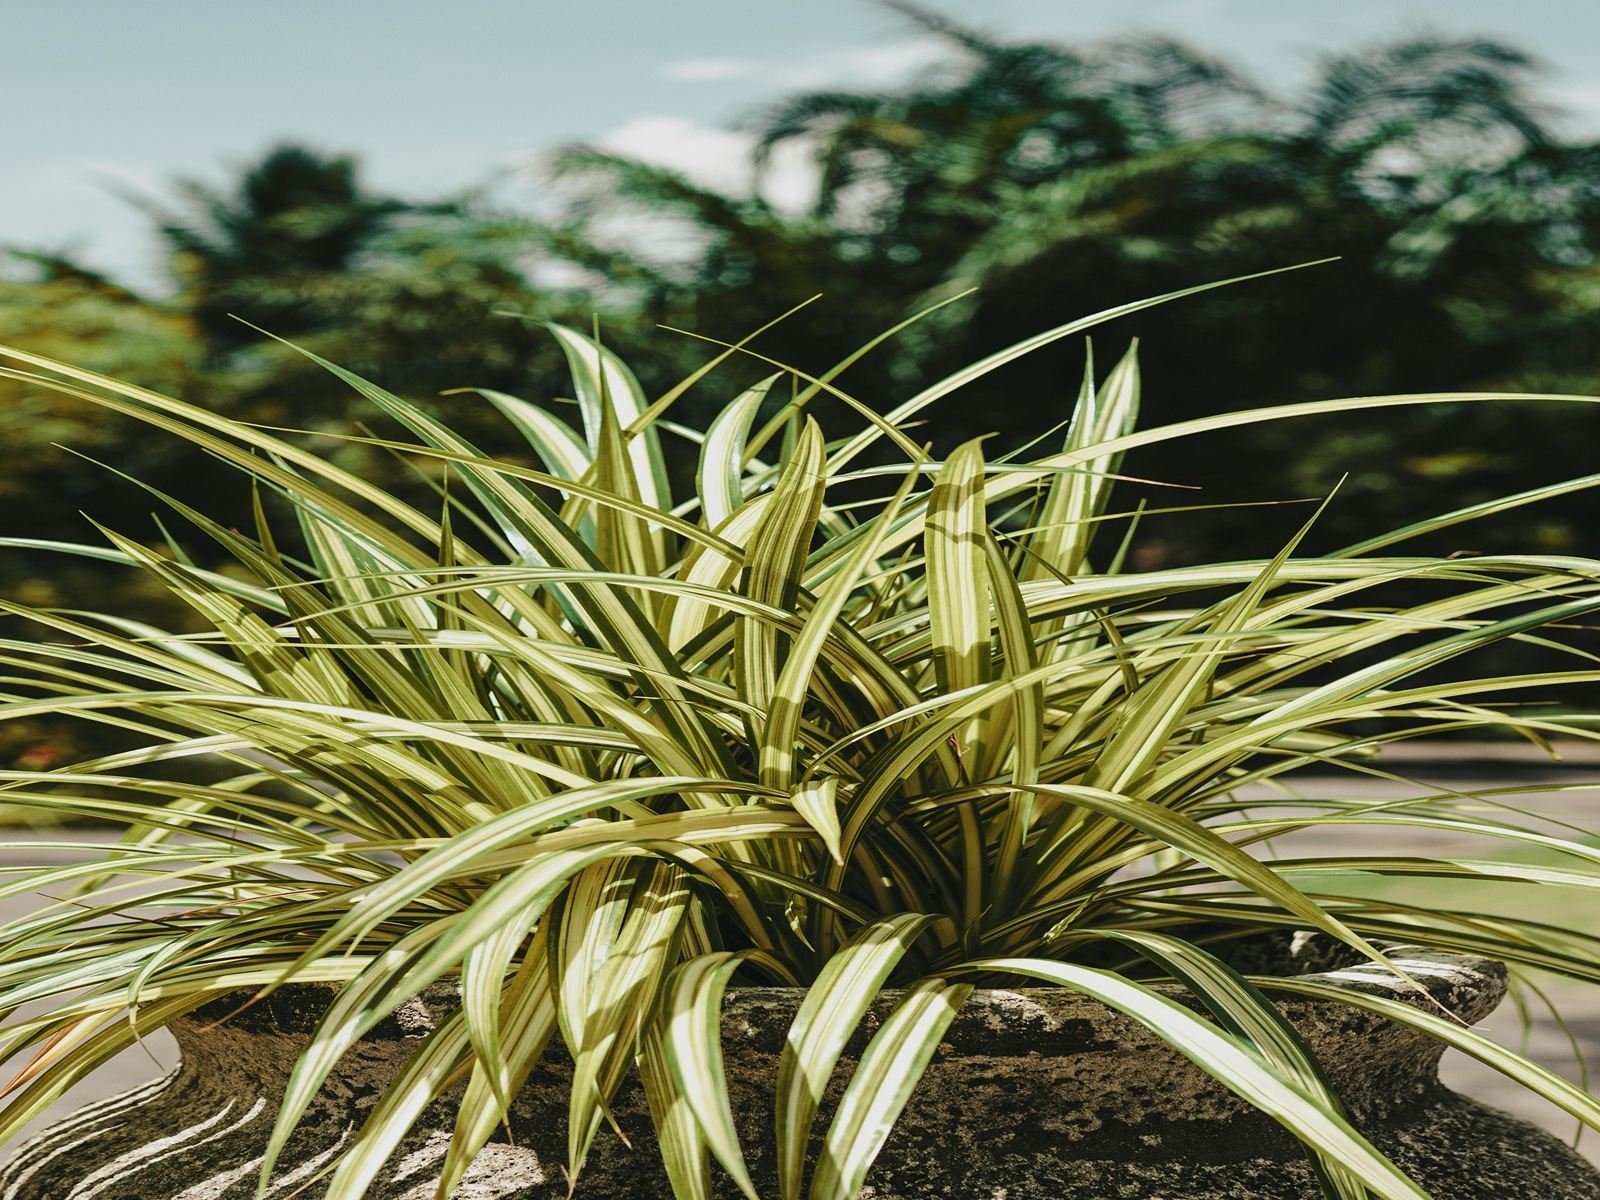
(959, 379)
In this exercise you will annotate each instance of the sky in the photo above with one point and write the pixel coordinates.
(100, 98)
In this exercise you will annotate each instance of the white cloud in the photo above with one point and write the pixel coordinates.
(844, 66)
(701, 70)
(865, 66)
(790, 182)
(718, 158)
(1582, 100)
(82, 195)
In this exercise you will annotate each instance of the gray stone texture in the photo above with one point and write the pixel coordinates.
(1034, 1095)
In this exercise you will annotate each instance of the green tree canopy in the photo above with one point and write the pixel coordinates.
(1035, 182)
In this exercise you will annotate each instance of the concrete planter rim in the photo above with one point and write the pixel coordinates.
(1470, 985)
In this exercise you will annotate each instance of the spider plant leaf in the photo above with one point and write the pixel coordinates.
(357, 1007)
(614, 616)
(1163, 704)
(277, 667)
(1469, 512)
(833, 1007)
(621, 999)
(1538, 1079)
(720, 479)
(1232, 1063)
(257, 595)
(558, 446)
(528, 1025)
(878, 1091)
(693, 1040)
(773, 563)
(1020, 750)
(460, 856)
(258, 454)
(484, 971)
(1169, 828)
(409, 964)
(1385, 674)
(817, 801)
(443, 1059)
(684, 1152)
(776, 747)
(820, 383)
(602, 381)
(622, 541)
(1066, 522)
(591, 915)
(958, 572)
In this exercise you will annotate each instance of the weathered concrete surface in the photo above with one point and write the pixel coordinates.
(1036, 1095)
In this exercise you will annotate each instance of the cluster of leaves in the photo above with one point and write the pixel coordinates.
(839, 713)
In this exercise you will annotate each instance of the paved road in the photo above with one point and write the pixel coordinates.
(1544, 1039)
(132, 1067)
(1491, 767)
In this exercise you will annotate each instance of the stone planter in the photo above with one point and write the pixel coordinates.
(1036, 1095)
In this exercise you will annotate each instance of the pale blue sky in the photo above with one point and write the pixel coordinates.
(438, 94)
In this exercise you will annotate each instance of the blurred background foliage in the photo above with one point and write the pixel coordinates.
(1030, 182)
